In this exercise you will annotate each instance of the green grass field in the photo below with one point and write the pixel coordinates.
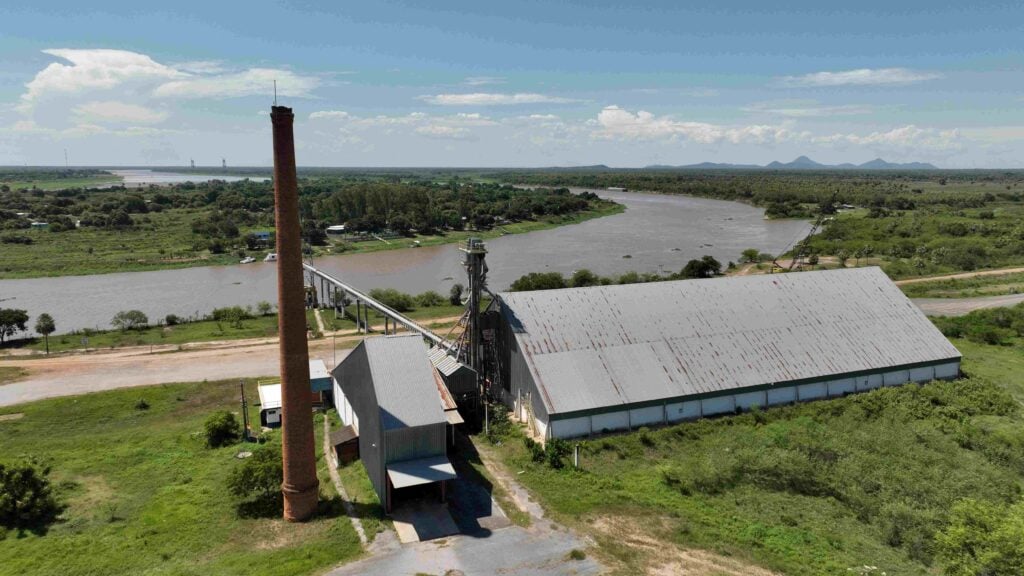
(818, 488)
(203, 331)
(61, 183)
(165, 241)
(144, 496)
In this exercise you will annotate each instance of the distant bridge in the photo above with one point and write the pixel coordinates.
(364, 303)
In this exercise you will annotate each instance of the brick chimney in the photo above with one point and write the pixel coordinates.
(300, 486)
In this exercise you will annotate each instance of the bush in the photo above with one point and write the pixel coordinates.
(397, 301)
(172, 320)
(429, 299)
(260, 474)
(221, 429)
(129, 320)
(27, 501)
(142, 404)
(455, 295)
(257, 480)
(557, 449)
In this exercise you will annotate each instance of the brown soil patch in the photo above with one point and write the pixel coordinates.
(660, 558)
(9, 417)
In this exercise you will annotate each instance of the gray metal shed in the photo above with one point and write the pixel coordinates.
(387, 389)
(586, 360)
(460, 379)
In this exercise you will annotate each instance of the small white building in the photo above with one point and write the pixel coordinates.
(270, 405)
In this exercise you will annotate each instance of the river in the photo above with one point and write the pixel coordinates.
(133, 178)
(658, 233)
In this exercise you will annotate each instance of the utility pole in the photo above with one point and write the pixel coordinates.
(66, 165)
(245, 411)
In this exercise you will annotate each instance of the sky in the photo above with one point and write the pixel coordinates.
(513, 84)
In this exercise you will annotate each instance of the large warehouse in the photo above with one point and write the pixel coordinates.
(582, 361)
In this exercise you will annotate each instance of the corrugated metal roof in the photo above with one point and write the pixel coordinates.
(603, 346)
(403, 379)
(444, 363)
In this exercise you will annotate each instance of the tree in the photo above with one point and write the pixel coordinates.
(706, 267)
(842, 255)
(261, 474)
(221, 429)
(538, 281)
(455, 295)
(12, 321)
(264, 308)
(750, 255)
(26, 498)
(129, 320)
(45, 326)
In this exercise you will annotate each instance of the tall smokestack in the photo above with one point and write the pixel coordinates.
(300, 486)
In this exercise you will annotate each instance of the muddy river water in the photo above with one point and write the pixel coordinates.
(656, 233)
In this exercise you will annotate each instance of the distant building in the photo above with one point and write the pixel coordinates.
(336, 229)
(40, 225)
(388, 391)
(583, 361)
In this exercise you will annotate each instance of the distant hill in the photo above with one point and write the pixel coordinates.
(804, 163)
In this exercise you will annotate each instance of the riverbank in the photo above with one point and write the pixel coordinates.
(166, 242)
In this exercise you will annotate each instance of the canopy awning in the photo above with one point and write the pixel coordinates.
(453, 417)
(420, 471)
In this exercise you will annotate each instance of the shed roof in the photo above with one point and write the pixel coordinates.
(403, 381)
(444, 362)
(318, 370)
(270, 396)
(592, 348)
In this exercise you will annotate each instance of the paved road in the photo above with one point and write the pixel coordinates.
(80, 374)
(512, 551)
(961, 306)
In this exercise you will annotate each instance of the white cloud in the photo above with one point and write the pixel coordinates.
(92, 70)
(444, 132)
(113, 111)
(330, 115)
(909, 137)
(252, 82)
(805, 109)
(494, 99)
(615, 122)
(483, 80)
(861, 77)
(202, 67)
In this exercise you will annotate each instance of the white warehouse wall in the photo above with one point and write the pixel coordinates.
(694, 409)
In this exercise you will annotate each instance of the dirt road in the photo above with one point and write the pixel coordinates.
(961, 306)
(1000, 272)
(80, 374)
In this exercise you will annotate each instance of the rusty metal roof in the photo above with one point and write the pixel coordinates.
(598, 347)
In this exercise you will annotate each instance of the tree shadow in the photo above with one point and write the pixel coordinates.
(264, 506)
(272, 506)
